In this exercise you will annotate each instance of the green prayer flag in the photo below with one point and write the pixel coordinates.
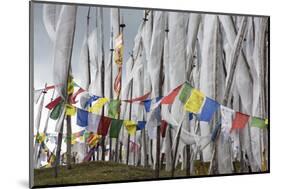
(115, 128)
(113, 108)
(56, 111)
(185, 92)
(258, 122)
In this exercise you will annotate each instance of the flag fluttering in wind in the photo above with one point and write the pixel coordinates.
(72, 97)
(93, 122)
(169, 99)
(56, 111)
(240, 121)
(147, 104)
(70, 110)
(40, 137)
(258, 122)
(141, 125)
(113, 108)
(115, 128)
(208, 110)
(226, 120)
(185, 92)
(53, 103)
(91, 100)
(82, 118)
(131, 126)
(104, 125)
(194, 102)
(98, 105)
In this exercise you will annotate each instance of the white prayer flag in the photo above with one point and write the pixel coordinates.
(226, 120)
(93, 122)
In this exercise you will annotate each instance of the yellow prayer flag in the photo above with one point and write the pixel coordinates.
(98, 105)
(40, 137)
(119, 49)
(194, 102)
(131, 126)
(70, 85)
(70, 110)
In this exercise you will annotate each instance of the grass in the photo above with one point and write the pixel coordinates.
(100, 172)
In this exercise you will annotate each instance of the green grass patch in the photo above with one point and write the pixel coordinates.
(100, 171)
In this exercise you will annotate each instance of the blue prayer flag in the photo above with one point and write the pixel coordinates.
(147, 104)
(141, 125)
(82, 118)
(90, 100)
(209, 108)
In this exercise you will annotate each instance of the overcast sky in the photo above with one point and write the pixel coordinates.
(43, 46)
(44, 52)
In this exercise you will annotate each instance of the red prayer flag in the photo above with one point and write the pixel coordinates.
(141, 98)
(169, 99)
(239, 121)
(72, 97)
(54, 103)
(104, 125)
(163, 128)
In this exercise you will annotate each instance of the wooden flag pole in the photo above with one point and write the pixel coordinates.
(187, 153)
(59, 147)
(68, 117)
(121, 29)
(146, 156)
(150, 151)
(68, 140)
(157, 167)
(89, 63)
(88, 48)
(130, 113)
(110, 149)
(176, 151)
(111, 73)
(134, 159)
